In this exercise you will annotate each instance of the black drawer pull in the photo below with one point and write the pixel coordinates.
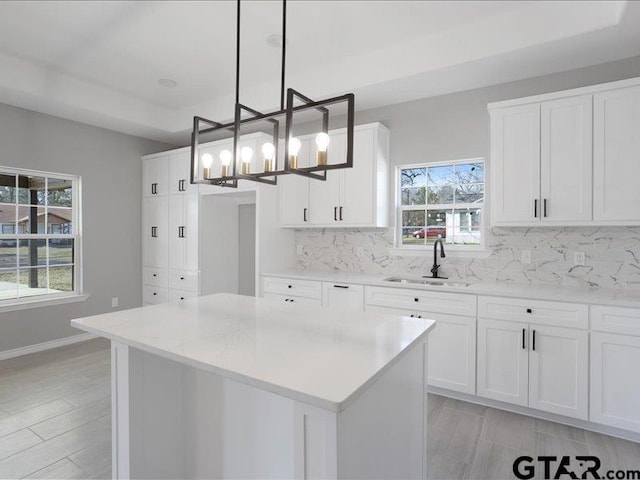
(181, 298)
(523, 339)
(289, 286)
(534, 341)
(335, 214)
(529, 310)
(341, 286)
(416, 299)
(154, 189)
(154, 294)
(535, 208)
(545, 207)
(304, 215)
(181, 278)
(340, 213)
(155, 274)
(419, 316)
(412, 315)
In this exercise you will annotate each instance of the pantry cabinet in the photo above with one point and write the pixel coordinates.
(351, 197)
(567, 158)
(183, 232)
(155, 176)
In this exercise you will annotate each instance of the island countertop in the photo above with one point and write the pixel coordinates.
(325, 358)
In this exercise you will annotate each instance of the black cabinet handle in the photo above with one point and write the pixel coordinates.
(523, 338)
(155, 274)
(534, 341)
(289, 286)
(341, 286)
(412, 315)
(535, 208)
(340, 213)
(181, 231)
(529, 310)
(304, 214)
(419, 316)
(181, 278)
(544, 207)
(416, 299)
(154, 232)
(292, 300)
(154, 189)
(154, 294)
(335, 214)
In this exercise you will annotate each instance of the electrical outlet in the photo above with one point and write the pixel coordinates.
(579, 258)
(299, 249)
(526, 256)
(114, 302)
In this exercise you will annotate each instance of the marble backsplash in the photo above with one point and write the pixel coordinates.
(612, 256)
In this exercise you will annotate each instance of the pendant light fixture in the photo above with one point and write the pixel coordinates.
(236, 164)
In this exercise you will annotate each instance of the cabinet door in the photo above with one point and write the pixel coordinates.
(566, 159)
(503, 361)
(183, 232)
(452, 352)
(616, 142)
(155, 176)
(325, 196)
(155, 233)
(515, 164)
(294, 193)
(615, 380)
(559, 370)
(359, 188)
(180, 174)
(343, 296)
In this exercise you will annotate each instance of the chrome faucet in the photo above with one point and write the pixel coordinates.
(434, 269)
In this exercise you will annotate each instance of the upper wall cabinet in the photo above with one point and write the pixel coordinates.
(541, 155)
(567, 158)
(616, 163)
(351, 197)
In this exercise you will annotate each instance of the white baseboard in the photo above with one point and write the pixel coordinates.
(39, 347)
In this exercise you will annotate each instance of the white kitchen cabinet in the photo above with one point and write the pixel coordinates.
(452, 350)
(566, 160)
(352, 197)
(616, 151)
(534, 353)
(183, 232)
(155, 232)
(344, 296)
(294, 191)
(515, 164)
(155, 176)
(503, 361)
(180, 174)
(615, 380)
(559, 370)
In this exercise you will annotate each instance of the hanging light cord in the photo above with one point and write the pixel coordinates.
(238, 53)
(284, 50)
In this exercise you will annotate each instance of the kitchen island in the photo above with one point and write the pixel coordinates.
(228, 386)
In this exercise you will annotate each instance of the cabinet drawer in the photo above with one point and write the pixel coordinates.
(615, 319)
(290, 299)
(571, 315)
(422, 301)
(153, 295)
(182, 280)
(177, 296)
(158, 277)
(292, 287)
(343, 295)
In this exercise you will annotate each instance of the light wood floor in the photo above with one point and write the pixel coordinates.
(55, 423)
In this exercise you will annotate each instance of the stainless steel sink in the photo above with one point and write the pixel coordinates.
(439, 282)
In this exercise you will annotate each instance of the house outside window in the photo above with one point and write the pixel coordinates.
(39, 235)
(441, 200)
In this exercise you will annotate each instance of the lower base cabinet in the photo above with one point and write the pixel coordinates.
(535, 366)
(615, 380)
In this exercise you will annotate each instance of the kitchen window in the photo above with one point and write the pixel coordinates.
(441, 200)
(39, 236)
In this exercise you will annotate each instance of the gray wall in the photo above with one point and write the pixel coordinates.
(247, 249)
(111, 171)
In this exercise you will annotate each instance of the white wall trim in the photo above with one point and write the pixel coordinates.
(38, 347)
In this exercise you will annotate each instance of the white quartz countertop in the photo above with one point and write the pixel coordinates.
(592, 296)
(325, 358)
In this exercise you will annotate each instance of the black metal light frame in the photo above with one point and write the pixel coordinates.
(270, 177)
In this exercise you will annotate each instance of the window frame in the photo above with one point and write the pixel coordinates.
(19, 303)
(399, 209)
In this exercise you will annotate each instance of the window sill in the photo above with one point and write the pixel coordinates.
(450, 252)
(12, 306)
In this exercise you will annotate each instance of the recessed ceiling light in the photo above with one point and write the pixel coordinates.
(167, 82)
(275, 40)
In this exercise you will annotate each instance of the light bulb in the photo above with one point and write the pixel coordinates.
(268, 150)
(294, 146)
(246, 153)
(207, 160)
(322, 141)
(225, 158)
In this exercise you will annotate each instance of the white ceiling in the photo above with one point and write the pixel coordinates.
(99, 61)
